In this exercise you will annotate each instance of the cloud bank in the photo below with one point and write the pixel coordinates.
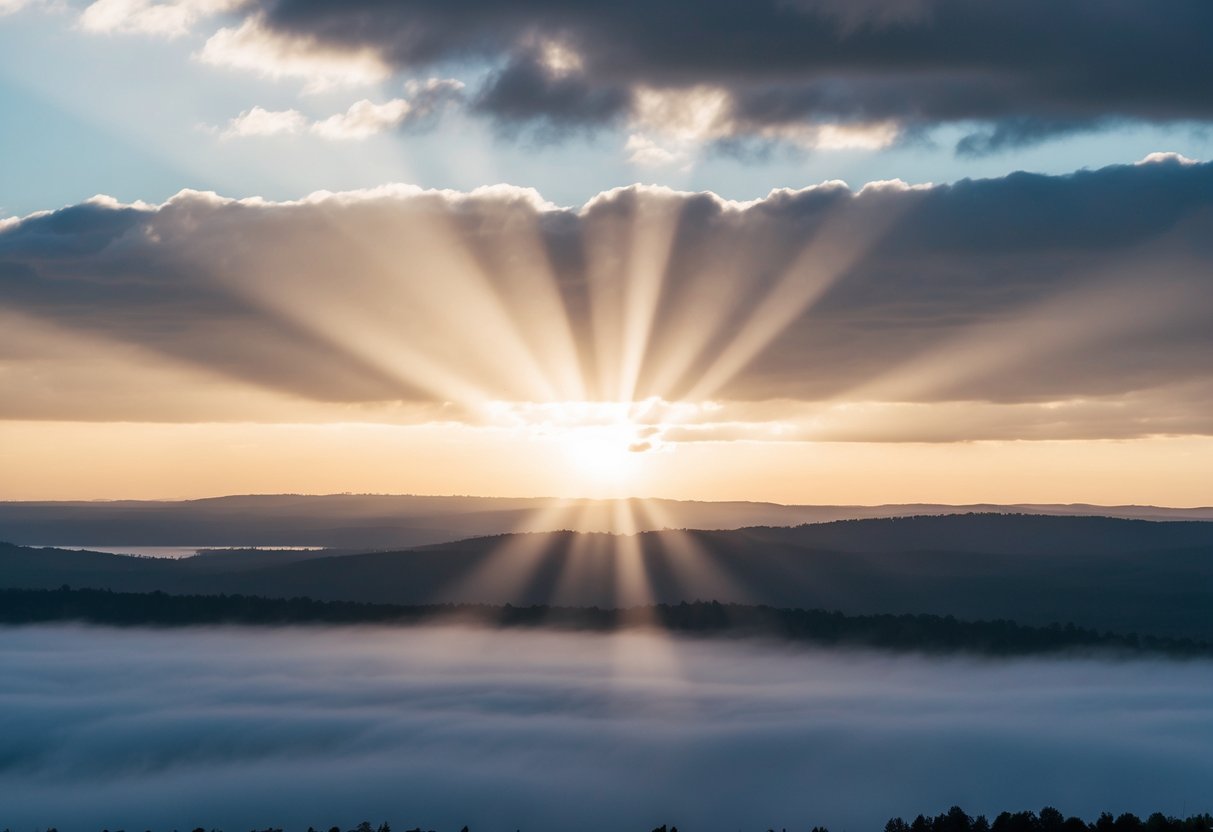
(446, 727)
(1028, 306)
(1007, 72)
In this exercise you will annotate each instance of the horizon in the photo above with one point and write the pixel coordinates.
(636, 498)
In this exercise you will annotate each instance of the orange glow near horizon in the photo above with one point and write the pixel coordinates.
(123, 460)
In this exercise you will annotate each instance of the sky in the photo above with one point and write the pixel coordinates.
(790, 250)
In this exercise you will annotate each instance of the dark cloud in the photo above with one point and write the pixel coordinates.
(526, 91)
(439, 727)
(1021, 70)
(1090, 290)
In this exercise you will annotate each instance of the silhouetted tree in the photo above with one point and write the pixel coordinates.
(954, 820)
(1051, 820)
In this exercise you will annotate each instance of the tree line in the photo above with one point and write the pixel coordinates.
(1050, 820)
(953, 820)
(925, 633)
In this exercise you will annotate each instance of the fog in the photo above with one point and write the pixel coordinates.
(439, 727)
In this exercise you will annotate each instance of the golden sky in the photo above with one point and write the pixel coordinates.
(74, 460)
(963, 343)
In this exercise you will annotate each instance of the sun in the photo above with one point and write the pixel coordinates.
(600, 448)
(602, 454)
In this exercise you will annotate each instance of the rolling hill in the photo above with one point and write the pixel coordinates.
(1103, 573)
(372, 521)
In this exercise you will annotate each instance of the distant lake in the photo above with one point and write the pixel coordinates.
(176, 552)
(235, 728)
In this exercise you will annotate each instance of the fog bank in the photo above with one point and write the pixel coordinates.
(440, 727)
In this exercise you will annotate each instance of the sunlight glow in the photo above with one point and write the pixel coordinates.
(603, 455)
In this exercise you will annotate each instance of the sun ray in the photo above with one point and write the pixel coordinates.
(585, 576)
(536, 304)
(652, 657)
(447, 299)
(697, 313)
(835, 248)
(1109, 306)
(367, 328)
(511, 566)
(627, 246)
(653, 229)
(695, 575)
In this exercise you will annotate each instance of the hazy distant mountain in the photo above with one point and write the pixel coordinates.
(1104, 573)
(363, 522)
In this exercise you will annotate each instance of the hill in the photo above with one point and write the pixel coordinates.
(1103, 573)
(379, 521)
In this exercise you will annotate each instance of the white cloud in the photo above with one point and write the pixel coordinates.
(259, 121)
(433, 89)
(253, 47)
(869, 136)
(166, 19)
(364, 118)
(672, 125)
(643, 150)
(695, 115)
(1165, 157)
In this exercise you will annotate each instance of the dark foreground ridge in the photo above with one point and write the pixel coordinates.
(953, 820)
(926, 633)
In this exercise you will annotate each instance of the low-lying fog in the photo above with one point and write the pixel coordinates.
(441, 727)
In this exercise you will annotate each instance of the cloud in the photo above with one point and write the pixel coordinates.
(1026, 306)
(442, 727)
(645, 151)
(687, 120)
(259, 121)
(1166, 156)
(1011, 72)
(165, 19)
(363, 119)
(253, 47)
